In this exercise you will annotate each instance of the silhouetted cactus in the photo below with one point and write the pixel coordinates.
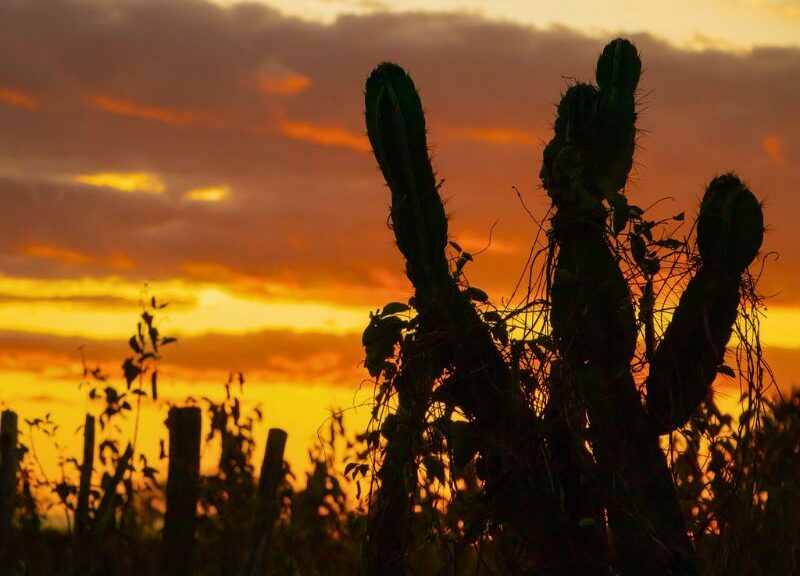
(730, 228)
(396, 128)
(447, 352)
(448, 335)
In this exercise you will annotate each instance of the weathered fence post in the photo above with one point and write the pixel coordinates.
(183, 483)
(8, 474)
(266, 508)
(87, 465)
(83, 537)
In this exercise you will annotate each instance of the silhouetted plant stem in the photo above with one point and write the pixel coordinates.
(266, 508)
(105, 515)
(177, 546)
(389, 528)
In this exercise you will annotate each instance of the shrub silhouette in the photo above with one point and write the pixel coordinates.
(574, 477)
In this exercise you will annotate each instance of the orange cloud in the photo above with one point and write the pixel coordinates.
(18, 99)
(58, 253)
(773, 148)
(314, 357)
(324, 134)
(284, 85)
(63, 255)
(475, 243)
(170, 116)
(498, 136)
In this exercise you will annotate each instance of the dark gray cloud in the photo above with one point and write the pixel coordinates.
(189, 71)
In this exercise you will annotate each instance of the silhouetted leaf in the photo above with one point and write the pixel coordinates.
(153, 333)
(394, 308)
(476, 294)
(670, 243)
(726, 370)
(134, 344)
(131, 371)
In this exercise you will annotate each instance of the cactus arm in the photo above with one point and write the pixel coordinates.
(686, 360)
(396, 130)
(397, 133)
(729, 234)
(458, 338)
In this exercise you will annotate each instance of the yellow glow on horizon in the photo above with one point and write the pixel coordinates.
(43, 307)
(81, 307)
(209, 194)
(779, 328)
(302, 411)
(124, 181)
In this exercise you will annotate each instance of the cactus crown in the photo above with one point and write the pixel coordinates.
(594, 131)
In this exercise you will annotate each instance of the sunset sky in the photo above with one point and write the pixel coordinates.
(216, 151)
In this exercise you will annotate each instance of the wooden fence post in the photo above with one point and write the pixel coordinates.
(183, 483)
(8, 474)
(266, 506)
(87, 465)
(83, 537)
